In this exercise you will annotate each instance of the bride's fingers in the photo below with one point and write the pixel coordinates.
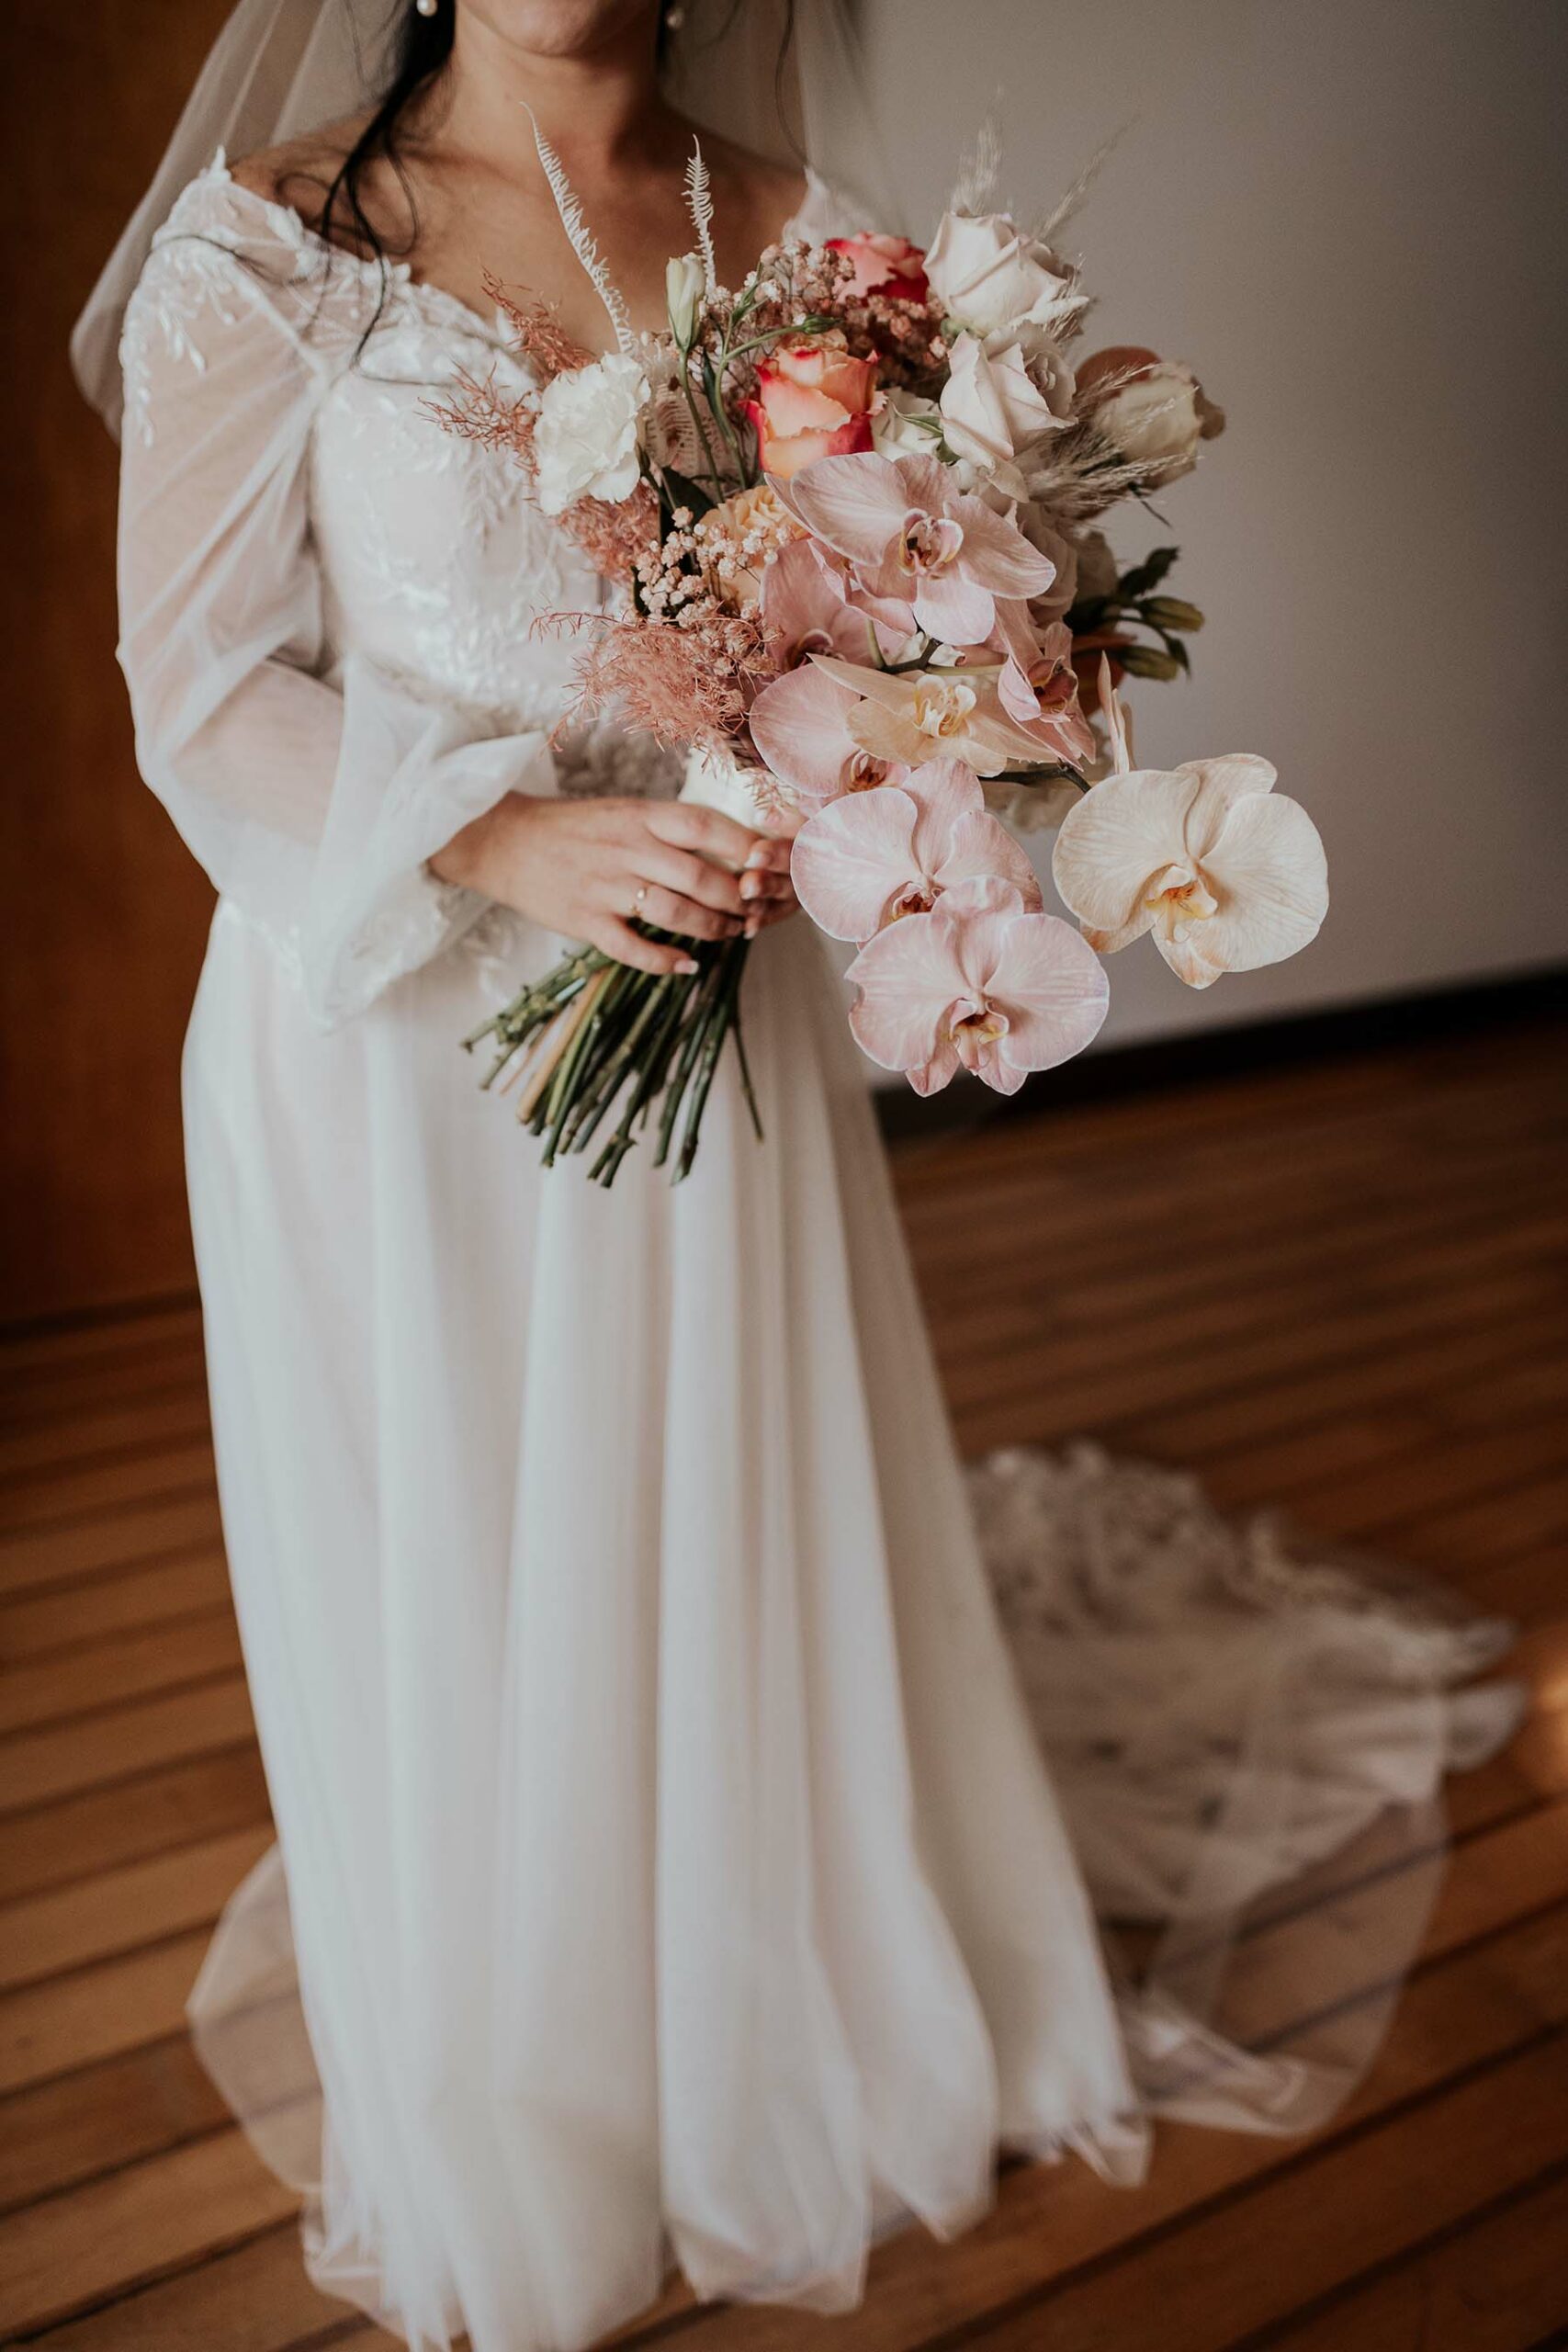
(616, 938)
(775, 907)
(672, 911)
(688, 877)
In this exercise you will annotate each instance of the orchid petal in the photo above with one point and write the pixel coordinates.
(1053, 989)
(856, 504)
(802, 594)
(1269, 873)
(1122, 832)
(887, 734)
(943, 791)
(854, 856)
(907, 977)
(925, 483)
(799, 725)
(953, 607)
(1222, 785)
(1016, 695)
(996, 552)
(979, 846)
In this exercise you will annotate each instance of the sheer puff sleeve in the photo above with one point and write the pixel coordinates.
(313, 803)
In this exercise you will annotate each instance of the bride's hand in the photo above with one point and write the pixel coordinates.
(586, 868)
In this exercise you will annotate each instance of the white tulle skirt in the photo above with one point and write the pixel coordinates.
(669, 1869)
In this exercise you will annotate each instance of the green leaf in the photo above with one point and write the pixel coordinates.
(1146, 575)
(1170, 612)
(678, 490)
(1143, 662)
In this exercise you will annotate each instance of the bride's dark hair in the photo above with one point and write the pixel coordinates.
(423, 47)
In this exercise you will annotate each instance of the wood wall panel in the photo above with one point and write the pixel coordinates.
(102, 913)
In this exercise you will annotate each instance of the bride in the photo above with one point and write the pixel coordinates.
(668, 1866)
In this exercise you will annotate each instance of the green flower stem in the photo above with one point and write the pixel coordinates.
(631, 1038)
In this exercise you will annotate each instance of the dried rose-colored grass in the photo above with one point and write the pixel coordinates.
(615, 537)
(682, 685)
(479, 412)
(537, 334)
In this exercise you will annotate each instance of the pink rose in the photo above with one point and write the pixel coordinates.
(884, 265)
(814, 400)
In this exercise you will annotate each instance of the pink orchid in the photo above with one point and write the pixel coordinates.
(909, 534)
(808, 605)
(953, 713)
(869, 859)
(801, 728)
(1039, 686)
(982, 983)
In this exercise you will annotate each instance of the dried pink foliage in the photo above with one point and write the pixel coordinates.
(537, 334)
(681, 684)
(480, 411)
(615, 537)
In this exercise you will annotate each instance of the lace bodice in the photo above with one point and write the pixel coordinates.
(327, 600)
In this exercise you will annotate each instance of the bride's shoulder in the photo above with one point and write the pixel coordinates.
(303, 178)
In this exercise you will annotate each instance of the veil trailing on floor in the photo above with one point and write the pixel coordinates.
(1248, 1737)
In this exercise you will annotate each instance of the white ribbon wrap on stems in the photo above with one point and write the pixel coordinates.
(716, 780)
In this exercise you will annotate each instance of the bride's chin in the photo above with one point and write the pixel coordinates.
(566, 28)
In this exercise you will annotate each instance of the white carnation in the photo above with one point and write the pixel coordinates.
(585, 445)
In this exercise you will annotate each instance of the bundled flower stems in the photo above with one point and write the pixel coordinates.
(853, 512)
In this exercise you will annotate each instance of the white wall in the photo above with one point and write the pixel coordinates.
(1351, 217)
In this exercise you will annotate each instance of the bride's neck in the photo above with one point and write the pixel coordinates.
(600, 110)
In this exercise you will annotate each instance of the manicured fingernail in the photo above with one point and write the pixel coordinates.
(754, 926)
(760, 856)
(687, 965)
(750, 884)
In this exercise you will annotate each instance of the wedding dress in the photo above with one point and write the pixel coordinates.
(667, 1864)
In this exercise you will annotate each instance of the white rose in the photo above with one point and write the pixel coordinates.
(906, 425)
(996, 405)
(585, 445)
(989, 276)
(1156, 416)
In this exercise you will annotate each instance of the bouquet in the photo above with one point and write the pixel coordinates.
(854, 510)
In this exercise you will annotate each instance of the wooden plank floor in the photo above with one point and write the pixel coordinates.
(1345, 1288)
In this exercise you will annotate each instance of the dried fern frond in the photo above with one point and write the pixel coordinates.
(699, 203)
(581, 238)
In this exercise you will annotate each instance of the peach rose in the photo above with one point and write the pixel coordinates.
(884, 265)
(814, 400)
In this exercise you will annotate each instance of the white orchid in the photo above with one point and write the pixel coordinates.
(585, 445)
(1227, 874)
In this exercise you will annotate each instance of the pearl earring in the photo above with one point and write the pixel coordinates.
(674, 19)
(426, 7)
